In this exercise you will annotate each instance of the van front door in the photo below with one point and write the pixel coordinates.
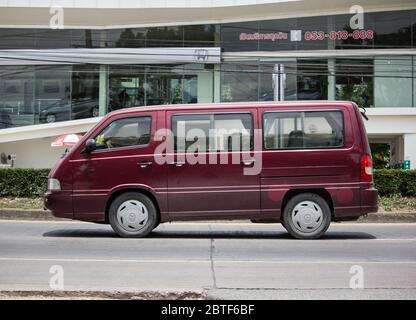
(123, 159)
(206, 175)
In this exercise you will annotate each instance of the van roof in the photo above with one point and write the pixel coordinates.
(236, 105)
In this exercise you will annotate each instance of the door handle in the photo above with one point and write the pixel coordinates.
(177, 163)
(144, 164)
(248, 162)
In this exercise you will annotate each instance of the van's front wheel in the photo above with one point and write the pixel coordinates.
(132, 215)
(307, 216)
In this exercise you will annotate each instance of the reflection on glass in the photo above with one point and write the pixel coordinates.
(392, 29)
(312, 79)
(126, 87)
(239, 82)
(85, 92)
(16, 96)
(164, 85)
(199, 35)
(164, 37)
(393, 82)
(53, 93)
(155, 85)
(354, 81)
(47, 94)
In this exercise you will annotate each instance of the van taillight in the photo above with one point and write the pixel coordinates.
(366, 168)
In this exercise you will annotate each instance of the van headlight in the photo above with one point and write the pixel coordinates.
(54, 184)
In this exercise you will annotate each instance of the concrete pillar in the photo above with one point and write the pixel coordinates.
(410, 149)
(103, 94)
(331, 79)
(217, 83)
(205, 87)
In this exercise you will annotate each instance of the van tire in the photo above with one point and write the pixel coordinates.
(306, 216)
(133, 215)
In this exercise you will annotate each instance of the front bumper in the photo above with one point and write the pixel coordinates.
(59, 203)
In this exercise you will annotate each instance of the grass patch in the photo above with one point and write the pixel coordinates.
(21, 203)
(396, 202)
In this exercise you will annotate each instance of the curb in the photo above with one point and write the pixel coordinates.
(46, 215)
(389, 217)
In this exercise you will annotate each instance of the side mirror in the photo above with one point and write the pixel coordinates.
(90, 146)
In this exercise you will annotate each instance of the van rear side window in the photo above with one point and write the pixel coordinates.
(303, 130)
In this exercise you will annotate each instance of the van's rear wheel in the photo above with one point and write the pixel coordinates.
(306, 216)
(132, 215)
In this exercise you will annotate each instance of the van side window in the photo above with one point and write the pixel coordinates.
(213, 132)
(125, 133)
(309, 129)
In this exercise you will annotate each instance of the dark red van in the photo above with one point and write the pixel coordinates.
(303, 164)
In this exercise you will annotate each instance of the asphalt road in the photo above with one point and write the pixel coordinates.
(224, 260)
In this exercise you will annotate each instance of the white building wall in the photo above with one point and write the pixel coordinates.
(34, 153)
(410, 149)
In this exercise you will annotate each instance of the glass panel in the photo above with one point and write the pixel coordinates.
(198, 83)
(164, 85)
(47, 94)
(50, 38)
(393, 82)
(190, 88)
(237, 36)
(392, 29)
(312, 80)
(85, 91)
(126, 38)
(352, 39)
(125, 133)
(303, 130)
(164, 37)
(239, 82)
(276, 35)
(126, 87)
(17, 86)
(313, 24)
(17, 38)
(199, 35)
(354, 81)
(53, 93)
(305, 80)
(266, 92)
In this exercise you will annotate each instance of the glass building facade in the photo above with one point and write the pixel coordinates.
(373, 66)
